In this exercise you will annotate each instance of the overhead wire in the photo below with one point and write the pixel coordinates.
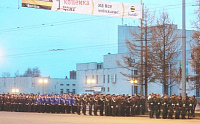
(64, 49)
(69, 21)
(57, 23)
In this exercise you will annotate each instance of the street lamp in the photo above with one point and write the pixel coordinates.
(133, 82)
(91, 81)
(43, 81)
(14, 91)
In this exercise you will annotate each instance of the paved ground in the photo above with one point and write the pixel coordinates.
(43, 118)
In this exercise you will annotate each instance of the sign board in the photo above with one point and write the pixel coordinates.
(90, 7)
(97, 89)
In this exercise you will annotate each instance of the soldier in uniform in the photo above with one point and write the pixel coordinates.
(59, 104)
(118, 105)
(74, 104)
(157, 106)
(172, 103)
(12, 103)
(62, 104)
(90, 103)
(178, 107)
(113, 106)
(84, 103)
(8, 103)
(68, 104)
(107, 105)
(29, 102)
(123, 106)
(133, 104)
(137, 105)
(96, 105)
(194, 106)
(36, 104)
(101, 104)
(164, 106)
(48, 103)
(128, 105)
(190, 107)
(142, 105)
(3, 102)
(53, 105)
(78, 102)
(184, 108)
(151, 105)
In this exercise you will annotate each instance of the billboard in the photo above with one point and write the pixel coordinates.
(91, 7)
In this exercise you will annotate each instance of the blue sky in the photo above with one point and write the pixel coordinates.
(27, 35)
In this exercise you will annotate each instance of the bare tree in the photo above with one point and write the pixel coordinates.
(17, 74)
(137, 57)
(5, 74)
(195, 50)
(35, 72)
(164, 50)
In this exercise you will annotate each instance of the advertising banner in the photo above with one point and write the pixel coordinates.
(91, 7)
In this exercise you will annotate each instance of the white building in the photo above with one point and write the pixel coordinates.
(107, 75)
(37, 85)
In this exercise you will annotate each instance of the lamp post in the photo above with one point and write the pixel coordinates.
(15, 91)
(43, 81)
(133, 82)
(90, 82)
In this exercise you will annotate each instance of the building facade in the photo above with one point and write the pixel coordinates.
(108, 76)
(37, 85)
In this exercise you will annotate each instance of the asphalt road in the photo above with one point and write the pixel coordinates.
(43, 118)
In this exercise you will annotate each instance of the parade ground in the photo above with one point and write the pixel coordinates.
(44, 118)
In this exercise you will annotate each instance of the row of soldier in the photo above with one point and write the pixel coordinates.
(109, 105)
(173, 107)
(99, 104)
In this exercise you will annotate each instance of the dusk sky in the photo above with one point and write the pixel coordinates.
(27, 35)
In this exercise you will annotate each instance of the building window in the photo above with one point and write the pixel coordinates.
(67, 91)
(99, 66)
(73, 84)
(67, 84)
(92, 76)
(97, 79)
(104, 78)
(135, 72)
(103, 89)
(61, 84)
(33, 84)
(113, 78)
(85, 79)
(108, 89)
(108, 78)
(135, 89)
(61, 91)
(4, 82)
(74, 91)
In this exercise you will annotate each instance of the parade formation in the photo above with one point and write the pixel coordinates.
(100, 104)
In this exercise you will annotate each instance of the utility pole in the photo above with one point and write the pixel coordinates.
(183, 50)
(141, 56)
(146, 65)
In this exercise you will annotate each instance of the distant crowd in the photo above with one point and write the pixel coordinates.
(100, 104)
